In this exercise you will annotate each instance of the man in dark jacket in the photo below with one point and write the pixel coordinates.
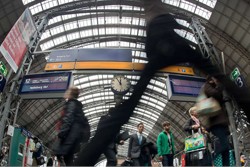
(136, 141)
(72, 127)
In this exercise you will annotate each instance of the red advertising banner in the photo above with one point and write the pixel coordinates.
(15, 45)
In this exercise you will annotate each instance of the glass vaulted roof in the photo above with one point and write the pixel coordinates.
(107, 24)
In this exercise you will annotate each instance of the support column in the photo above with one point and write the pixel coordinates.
(10, 95)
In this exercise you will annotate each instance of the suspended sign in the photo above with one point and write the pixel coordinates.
(184, 88)
(45, 85)
(15, 45)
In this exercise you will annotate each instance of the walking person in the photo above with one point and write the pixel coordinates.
(218, 124)
(73, 128)
(165, 145)
(37, 151)
(136, 141)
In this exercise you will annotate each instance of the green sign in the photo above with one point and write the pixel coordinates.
(3, 69)
(235, 74)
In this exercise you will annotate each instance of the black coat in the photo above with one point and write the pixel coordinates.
(71, 131)
(188, 126)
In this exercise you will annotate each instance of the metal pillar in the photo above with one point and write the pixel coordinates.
(10, 94)
(209, 52)
(230, 111)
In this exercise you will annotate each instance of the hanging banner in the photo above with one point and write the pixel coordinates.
(15, 45)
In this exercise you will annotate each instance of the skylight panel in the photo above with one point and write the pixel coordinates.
(183, 22)
(172, 2)
(49, 4)
(25, 2)
(125, 31)
(185, 34)
(69, 16)
(55, 20)
(60, 40)
(203, 12)
(70, 26)
(46, 34)
(135, 21)
(210, 3)
(36, 8)
(73, 36)
(47, 45)
(125, 7)
(56, 30)
(187, 6)
(64, 1)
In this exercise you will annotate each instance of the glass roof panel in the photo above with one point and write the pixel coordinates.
(36, 8)
(187, 6)
(192, 7)
(27, 1)
(210, 3)
(203, 12)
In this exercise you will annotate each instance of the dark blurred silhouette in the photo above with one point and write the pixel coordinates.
(111, 150)
(218, 124)
(73, 129)
(163, 47)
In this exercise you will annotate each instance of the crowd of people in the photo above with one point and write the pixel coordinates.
(164, 47)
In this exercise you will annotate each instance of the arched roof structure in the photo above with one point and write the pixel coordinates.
(122, 24)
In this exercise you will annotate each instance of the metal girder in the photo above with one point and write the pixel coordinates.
(205, 44)
(10, 94)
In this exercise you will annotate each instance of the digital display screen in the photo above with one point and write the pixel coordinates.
(47, 82)
(186, 85)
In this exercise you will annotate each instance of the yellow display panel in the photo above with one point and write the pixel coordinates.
(113, 66)
(59, 66)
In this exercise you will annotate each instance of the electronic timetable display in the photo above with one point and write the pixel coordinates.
(184, 88)
(47, 85)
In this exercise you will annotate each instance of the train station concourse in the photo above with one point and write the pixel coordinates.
(135, 63)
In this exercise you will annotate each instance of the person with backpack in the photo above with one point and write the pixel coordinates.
(73, 126)
(37, 151)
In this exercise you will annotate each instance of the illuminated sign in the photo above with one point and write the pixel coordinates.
(184, 88)
(128, 66)
(46, 85)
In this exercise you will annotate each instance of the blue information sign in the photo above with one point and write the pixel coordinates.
(102, 54)
(47, 85)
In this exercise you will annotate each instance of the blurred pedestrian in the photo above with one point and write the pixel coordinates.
(37, 151)
(73, 128)
(218, 124)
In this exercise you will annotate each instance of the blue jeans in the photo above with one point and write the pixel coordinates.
(167, 160)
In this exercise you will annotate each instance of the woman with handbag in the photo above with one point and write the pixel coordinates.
(218, 124)
(193, 125)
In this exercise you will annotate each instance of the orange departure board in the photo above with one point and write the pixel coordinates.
(108, 65)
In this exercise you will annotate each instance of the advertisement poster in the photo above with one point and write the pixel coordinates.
(15, 45)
